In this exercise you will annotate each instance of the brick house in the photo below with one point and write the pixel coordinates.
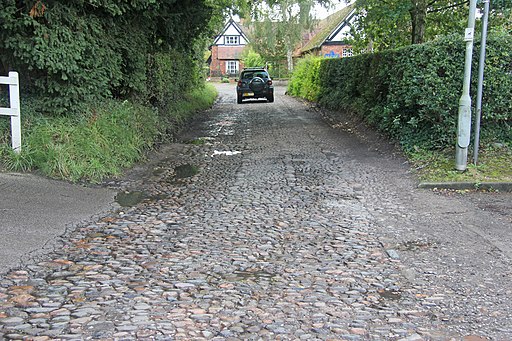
(226, 50)
(330, 36)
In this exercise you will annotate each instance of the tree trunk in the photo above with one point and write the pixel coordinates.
(4, 64)
(418, 19)
(289, 59)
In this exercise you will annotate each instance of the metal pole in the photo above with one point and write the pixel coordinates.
(481, 65)
(464, 124)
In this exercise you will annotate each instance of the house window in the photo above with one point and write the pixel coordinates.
(232, 40)
(232, 67)
(347, 53)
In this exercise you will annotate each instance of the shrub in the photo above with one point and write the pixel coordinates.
(304, 81)
(74, 53)
(251, 58)
(171, 76)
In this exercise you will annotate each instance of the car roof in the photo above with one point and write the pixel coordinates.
(254, 69)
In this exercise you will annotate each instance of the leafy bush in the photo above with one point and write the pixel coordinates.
(74, 53)
(78, 60)
(304, 81)
(412, 94)
(251, 58)
(171, 76)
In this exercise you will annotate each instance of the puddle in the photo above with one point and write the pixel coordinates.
(251, 275)
(227, 153)
(414, 245)
(158, 171)
(226, 123)
(390, 294)
(197, 142)
(185, 171)
(98, 235)
(130, 199)
(330, 155)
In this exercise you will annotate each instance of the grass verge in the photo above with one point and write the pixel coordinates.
(100, 143)
(494, 165)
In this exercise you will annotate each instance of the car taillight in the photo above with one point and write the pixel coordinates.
(239, 83)
(269, 82)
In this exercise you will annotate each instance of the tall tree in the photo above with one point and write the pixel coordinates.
(267, 39)
(386, 24)
(279, 26)
(418, 13)
(501, 15)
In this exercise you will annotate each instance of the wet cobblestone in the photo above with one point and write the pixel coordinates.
(290, 238)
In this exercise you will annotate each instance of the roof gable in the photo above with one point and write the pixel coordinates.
(329, 29)
(231, 29)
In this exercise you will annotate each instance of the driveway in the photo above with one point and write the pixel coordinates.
(35, 211)
(265, 222)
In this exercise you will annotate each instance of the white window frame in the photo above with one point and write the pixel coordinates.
(347, 53)
(232, 40)
(232, 67)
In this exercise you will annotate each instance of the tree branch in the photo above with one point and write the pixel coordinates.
(448, 7)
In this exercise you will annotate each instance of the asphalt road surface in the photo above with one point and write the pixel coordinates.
(35, 211)
(265, 222)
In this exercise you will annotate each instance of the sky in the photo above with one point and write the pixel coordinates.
(321, 12)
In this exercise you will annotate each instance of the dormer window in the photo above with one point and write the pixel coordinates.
(232, 40)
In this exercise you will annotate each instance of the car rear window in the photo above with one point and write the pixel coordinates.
(252, 74)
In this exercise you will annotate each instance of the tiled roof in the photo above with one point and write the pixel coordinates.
(326, 27)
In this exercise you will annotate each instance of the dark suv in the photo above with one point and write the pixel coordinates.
(254, 82)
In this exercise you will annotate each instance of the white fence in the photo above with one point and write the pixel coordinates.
(14, 109)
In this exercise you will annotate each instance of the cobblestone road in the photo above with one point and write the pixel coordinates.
(271, 225)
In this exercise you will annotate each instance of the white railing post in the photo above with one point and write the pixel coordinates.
(14, 97)
(14, 110)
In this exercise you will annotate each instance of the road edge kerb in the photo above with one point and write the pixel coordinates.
(488, 186)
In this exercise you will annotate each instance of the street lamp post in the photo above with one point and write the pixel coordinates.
(464, 122)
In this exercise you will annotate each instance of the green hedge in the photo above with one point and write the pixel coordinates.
(74, 53)
(171, 76)
(305, 81)
(412, 94)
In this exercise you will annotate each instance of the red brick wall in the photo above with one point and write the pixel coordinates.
(215, 67)
(218, 66)
(337, 49)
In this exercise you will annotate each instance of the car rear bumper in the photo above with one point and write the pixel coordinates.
(252, 94)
